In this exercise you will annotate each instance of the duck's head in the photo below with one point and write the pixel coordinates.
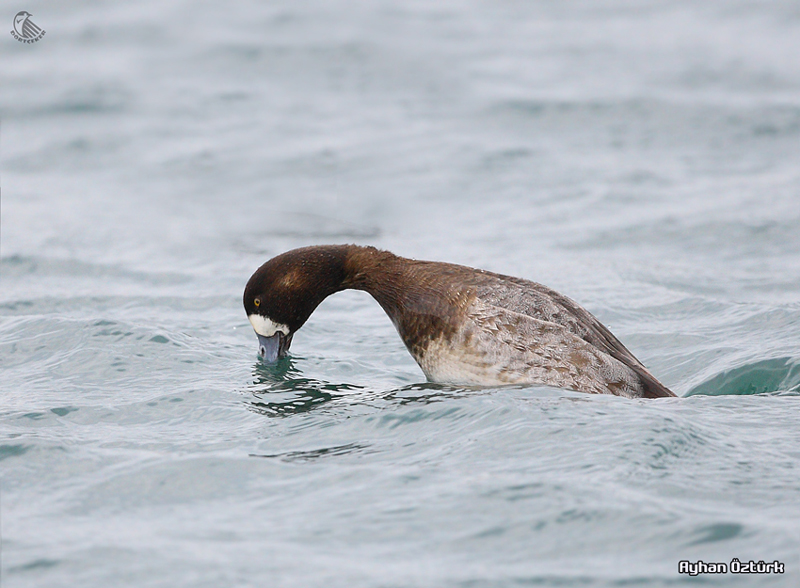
(282, 294)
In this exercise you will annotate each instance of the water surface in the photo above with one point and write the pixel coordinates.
(642, 159)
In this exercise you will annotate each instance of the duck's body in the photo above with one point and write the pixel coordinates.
(462, 325)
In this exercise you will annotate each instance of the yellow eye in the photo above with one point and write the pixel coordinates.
(257, 301)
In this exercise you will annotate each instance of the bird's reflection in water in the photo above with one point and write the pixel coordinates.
(281, 389)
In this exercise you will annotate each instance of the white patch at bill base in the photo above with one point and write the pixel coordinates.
(266, 327)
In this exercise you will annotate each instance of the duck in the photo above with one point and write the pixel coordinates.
(463, 326)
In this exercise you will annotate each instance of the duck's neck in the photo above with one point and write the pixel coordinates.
(416, 302)
(322, 270)
(378, 273)
(362, 266)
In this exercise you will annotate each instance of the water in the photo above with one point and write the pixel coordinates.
(641, 158)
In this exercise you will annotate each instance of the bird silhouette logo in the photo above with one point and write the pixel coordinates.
(25, 30)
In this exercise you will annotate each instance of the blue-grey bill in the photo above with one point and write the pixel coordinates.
(269, 347)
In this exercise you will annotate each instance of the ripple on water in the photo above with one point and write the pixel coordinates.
(58, 359)
(715, 532)
(315, 454)
(12, 450)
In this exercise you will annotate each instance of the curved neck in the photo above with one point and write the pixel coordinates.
(361, 264)
(384, 276)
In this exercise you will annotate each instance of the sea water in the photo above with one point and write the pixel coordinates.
(641, 157)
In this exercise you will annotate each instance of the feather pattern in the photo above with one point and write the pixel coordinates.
(506, 330)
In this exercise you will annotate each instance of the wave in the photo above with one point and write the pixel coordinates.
(760, 377)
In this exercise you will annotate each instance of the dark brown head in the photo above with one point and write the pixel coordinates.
(282, 293)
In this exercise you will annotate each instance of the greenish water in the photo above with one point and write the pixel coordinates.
(640, 159)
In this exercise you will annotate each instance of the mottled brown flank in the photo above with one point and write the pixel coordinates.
(460, 324)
